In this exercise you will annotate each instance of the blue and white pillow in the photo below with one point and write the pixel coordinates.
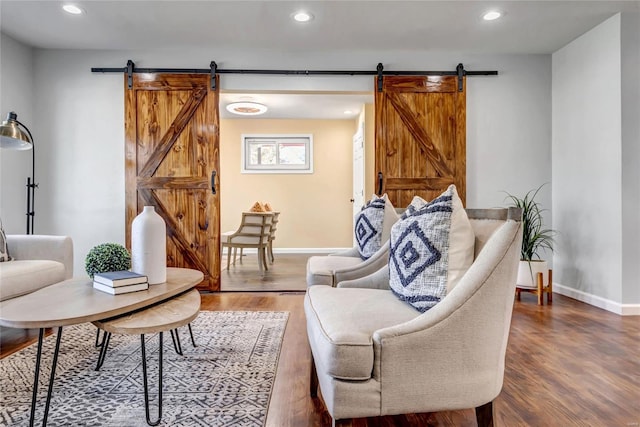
(431, 250)
(416, 203)
(373, 225)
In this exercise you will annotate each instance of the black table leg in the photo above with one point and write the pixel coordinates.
(106, 337)
(176, 341)
(36, 378)
(34, 396)
(144, 379)
(191, 333)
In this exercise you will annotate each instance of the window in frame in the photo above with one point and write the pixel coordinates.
(277, 153)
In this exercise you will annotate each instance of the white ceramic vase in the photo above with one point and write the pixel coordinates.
(149, 246)
(528, 273)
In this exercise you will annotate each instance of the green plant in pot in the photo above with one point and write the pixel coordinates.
(535, 238)
(107, 257)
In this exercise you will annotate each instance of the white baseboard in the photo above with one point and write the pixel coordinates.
(308, 250)
(296, 250)
(605, 304)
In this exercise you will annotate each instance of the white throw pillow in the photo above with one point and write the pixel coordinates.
(430, 251)
(373, 225)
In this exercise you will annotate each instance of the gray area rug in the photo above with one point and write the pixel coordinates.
(225, 381)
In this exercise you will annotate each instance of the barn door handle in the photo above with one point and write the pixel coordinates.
(380, 183)
(213, 182)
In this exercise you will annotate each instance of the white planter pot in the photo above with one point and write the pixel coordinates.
(149, 246)
(528, 273)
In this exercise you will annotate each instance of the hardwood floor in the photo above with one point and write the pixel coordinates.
(287, 273)
(568, 364)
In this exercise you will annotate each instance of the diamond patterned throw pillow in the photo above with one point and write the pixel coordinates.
(430, 251)
(4, 249)
(416, 203)
(373, 225)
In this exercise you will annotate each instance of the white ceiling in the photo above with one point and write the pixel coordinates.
(528, 27)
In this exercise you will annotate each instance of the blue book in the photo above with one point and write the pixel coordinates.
(119, 278)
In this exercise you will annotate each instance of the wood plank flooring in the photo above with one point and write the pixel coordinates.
(568, 364)
(287, 273)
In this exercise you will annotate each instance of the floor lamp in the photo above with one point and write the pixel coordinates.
(13, 137)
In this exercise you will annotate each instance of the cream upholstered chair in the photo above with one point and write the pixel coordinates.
(345, 265)
(374, 355)
(253, 232)
(348, 264)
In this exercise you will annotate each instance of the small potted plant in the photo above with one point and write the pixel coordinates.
(107, 257)
(534, 239)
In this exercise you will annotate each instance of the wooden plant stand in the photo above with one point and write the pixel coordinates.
(540, 289)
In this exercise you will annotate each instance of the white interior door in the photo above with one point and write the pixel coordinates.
(357, 198)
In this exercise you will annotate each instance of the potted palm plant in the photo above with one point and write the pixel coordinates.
(535, 238)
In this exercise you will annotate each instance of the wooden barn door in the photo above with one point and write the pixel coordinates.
(171, 132)
(420, 137)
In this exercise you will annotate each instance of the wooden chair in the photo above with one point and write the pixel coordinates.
(540, 289)
(253, 232)
(272, 234)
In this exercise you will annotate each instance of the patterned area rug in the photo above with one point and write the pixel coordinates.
(225, 381)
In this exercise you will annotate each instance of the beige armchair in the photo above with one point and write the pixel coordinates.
(39, 261)
(374, 355)
(346, 265)
(253, 232)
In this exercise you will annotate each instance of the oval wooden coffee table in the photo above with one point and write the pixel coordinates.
(165, 316)
(75, 301)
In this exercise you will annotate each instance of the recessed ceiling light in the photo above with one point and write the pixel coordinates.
(72, 9)
(492, 15)
(246, 108)
(302, 16)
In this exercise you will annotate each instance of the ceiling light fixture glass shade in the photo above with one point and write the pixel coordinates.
(247, 108)
(302, 16)
(72, 9)
(12, 137)
(492, 15)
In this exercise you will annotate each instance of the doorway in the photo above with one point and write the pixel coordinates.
(316, 208)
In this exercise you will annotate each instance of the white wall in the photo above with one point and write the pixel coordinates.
(587, 201)
(630, 40)
(16, 94)
(81, 114)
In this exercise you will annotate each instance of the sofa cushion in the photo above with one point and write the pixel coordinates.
(341, 323)
(20, 277)
(430, 251)
(320, 268)
(373, 225)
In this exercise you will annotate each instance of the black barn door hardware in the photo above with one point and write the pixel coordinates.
(213, 70)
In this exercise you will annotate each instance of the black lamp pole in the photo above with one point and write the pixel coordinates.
(12, 137)
(31, 185)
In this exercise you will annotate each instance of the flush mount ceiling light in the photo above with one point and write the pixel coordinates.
(492, 15)
(72, 9)
(302, 16)
(246, 108)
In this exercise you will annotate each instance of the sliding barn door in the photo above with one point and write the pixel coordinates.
(172, 129)
(420, 137)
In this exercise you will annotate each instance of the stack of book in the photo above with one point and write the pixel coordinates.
(120, 282)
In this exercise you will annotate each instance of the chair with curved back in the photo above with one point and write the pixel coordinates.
(375, 355)
(253, 232)
(272, 234)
